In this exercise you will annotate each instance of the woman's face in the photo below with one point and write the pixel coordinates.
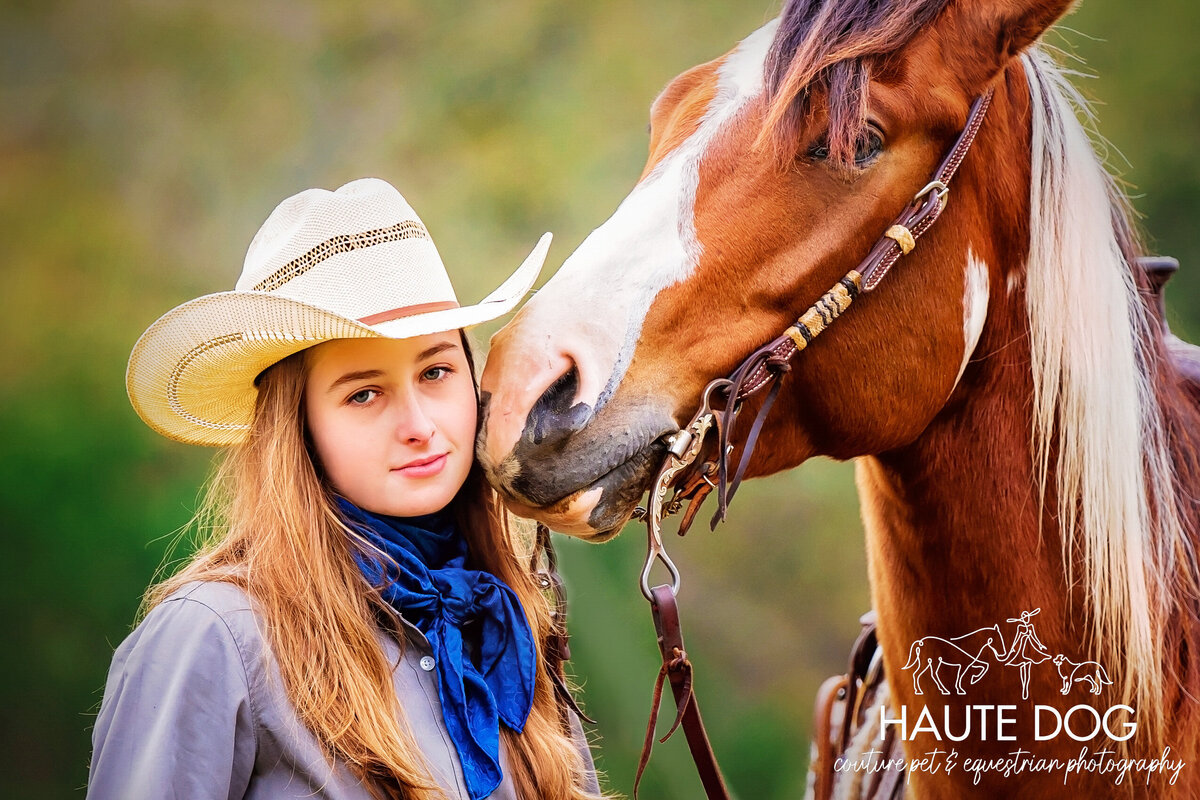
(392, 420)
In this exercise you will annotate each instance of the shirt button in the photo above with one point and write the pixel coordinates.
(428, 663)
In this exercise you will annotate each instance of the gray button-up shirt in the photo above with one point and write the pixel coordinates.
(195, 708)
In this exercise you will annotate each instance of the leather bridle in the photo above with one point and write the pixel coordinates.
(763, 369)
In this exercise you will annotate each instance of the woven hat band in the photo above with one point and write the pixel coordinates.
(344, 243)
(369, 279)
(407, 311)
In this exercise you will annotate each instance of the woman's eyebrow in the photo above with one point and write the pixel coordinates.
(350, 377)
(437, 348)
(370, 374)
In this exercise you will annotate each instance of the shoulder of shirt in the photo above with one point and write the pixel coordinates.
(210, 629)
(204, 608)
(220, 596)
(232, 606)
(228, 602)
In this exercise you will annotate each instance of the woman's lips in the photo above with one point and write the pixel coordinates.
(423, 467)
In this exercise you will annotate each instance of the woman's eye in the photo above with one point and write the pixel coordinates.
(361, 398)
(435, 373)
(869, 145)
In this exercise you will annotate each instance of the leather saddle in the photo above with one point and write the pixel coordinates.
(1183, 355)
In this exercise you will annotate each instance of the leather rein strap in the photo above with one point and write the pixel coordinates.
(678, 669)
(765, 367)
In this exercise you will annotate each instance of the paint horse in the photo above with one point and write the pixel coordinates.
(963, 653)
(1024, 435)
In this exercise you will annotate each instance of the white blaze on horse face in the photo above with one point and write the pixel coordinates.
(975, 304)
(648, 244)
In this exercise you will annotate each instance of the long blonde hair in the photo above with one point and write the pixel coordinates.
(272, 529)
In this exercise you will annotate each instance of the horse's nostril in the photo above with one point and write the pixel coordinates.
(553, 416)
(557, 399)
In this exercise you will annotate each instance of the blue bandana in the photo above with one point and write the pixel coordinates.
(429, 585)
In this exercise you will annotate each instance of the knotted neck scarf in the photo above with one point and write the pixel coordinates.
(480, 684)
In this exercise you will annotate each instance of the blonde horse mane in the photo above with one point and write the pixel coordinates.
(1094, 404)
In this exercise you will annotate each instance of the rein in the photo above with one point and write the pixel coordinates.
(764, 368)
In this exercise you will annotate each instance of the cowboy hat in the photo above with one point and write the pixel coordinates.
(353, 263)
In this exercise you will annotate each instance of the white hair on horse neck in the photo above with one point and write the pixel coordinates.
(976, 293)
(1094, 395)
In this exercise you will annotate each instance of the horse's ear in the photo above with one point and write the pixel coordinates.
(980, 37)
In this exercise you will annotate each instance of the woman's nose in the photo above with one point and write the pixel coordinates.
(413, 423)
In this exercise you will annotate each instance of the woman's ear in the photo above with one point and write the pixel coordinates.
(980, 37)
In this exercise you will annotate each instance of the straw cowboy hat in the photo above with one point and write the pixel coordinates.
(356, 262)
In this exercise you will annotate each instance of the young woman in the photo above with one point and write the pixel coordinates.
(363, 622)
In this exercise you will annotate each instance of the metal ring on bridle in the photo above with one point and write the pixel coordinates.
(660, 555)
(682, 448)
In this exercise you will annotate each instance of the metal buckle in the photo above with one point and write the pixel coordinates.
(933, 186)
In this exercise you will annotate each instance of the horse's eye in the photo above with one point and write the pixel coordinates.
(868, 146)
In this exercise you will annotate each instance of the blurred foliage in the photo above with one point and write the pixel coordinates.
(144, 141)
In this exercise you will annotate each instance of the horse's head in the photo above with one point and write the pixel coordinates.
(772, 171)
(997, 645)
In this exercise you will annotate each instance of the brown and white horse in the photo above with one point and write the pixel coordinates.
(1024, 439)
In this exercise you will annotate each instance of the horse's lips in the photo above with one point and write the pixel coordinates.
(640, 460)
(616, 491)
(623, 486)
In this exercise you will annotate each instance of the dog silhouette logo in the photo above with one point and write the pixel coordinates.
(1073, 672)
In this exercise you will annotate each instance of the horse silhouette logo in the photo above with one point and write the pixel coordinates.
(1073, 672)
(935, 656)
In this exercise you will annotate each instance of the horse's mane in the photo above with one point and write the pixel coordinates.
(1095, 405)
(827, 49)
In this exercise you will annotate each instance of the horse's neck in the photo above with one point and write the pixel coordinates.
(957, 537)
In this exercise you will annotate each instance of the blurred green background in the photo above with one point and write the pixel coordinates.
(144, 141)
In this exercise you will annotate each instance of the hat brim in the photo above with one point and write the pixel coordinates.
(191, 374)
